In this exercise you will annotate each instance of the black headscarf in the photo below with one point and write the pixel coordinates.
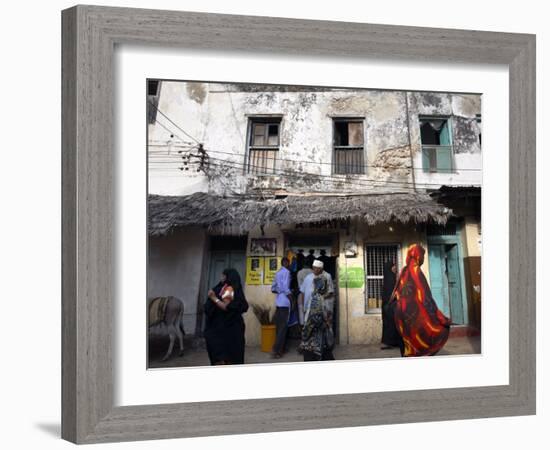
(389, 280)
(233, 279)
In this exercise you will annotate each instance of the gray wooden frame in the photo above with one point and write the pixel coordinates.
(89, 36)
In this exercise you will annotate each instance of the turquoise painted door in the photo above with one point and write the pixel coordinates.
(438, 277)
(237, 260)
(218, 262)
(453, 279)
(223, 260)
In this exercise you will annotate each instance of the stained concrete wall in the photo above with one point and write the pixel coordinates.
(218, 115)
(175, 267)
(356, 325)
(472, 236)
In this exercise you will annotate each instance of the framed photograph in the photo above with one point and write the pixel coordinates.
(262, 246)
(242, 194)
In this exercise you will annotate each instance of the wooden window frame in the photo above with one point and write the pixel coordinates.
(433, 148)
(268, 162)
(336, 148)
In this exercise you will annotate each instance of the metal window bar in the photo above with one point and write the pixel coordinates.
(349, 160)
(449, 229)
(262, 160)
(263, 147)
(376, 255)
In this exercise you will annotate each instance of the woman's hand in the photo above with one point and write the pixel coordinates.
(212, 295)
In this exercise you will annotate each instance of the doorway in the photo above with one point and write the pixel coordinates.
(225, 252)
(322, 246)
(446, 280)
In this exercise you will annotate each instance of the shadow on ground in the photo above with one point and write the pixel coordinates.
(195, 352)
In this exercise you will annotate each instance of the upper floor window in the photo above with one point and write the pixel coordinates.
(437, 149)
(348, 144)
(263, 144)
(153, 90)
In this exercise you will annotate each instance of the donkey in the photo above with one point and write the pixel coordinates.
(166, 318)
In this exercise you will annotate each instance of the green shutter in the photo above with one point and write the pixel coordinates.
(426, 159)
(444, 160)
(445, 134)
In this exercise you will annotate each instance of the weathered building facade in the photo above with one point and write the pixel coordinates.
(240, 175)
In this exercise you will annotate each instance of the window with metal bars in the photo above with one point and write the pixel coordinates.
(376, 255)
(349, 149)
(263, 145)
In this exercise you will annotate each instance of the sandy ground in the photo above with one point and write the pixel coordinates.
(195, 353)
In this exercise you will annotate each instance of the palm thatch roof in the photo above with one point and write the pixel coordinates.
(238, 215)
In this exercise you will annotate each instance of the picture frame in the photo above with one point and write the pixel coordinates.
(90, 34)
(263, 246)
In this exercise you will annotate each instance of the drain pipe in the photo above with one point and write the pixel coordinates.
(409, 138)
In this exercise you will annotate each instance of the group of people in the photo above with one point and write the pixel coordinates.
(312, 308)
(411, 320)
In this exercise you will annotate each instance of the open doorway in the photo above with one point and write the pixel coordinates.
(316, 246)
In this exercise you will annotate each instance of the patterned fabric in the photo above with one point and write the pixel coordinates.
(422, 325)
(317, 334)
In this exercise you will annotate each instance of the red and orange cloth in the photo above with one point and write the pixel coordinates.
(422, 325)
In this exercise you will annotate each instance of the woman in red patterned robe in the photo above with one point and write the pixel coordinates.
(422, 325)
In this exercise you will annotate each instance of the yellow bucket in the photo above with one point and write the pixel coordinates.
(267, 338)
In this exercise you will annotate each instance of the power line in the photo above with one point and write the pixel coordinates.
(290, 160)
(172, 122)
(363, 166)
(370, 183)
(288, 172)
(285, 160)
(334, 178)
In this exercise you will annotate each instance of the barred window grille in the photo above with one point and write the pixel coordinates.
(449, 229)
(263, 145)
(376, 255)
(349, 152)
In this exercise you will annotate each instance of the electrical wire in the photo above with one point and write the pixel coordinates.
(172, 122)
(333, 178)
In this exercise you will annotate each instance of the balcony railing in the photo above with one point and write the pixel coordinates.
(262, 161)
(349, 160)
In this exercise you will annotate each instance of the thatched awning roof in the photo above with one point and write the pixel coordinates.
(238, 215)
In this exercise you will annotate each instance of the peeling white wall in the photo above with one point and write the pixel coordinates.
(217, 115)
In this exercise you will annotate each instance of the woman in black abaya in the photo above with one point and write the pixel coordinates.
(390, 335)
(224, 325)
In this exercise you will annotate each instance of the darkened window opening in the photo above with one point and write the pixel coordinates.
(153, 91)
(348, 144)
(436, 139)
(152, 87)
(228, 243)
(263, 145)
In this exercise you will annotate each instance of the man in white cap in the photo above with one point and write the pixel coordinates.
(312, 349)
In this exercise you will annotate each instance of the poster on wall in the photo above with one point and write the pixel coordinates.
(254, 270)
(272, 265)
(263, 247)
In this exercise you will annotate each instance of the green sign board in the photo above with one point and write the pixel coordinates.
(351, 277)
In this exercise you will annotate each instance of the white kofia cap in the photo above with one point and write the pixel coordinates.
(318, 263)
